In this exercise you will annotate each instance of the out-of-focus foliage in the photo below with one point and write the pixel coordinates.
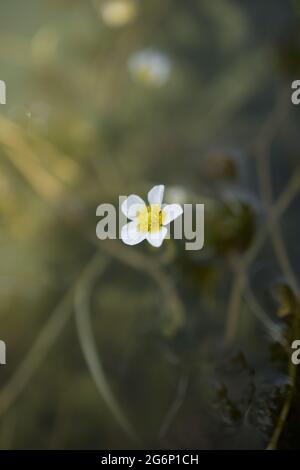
(106, 100)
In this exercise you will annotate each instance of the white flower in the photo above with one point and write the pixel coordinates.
(150, 67)
(117, 13)
(148, 222)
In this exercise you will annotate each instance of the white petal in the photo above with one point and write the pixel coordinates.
(131, 235)
(156, 194)
(156, 238)
(171, 212)
(132, 206)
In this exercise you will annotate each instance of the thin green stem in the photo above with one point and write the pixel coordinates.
(43, 343)
(263, 164)
(285, 411)
(89, 348)
(234, 303)
(176, 315)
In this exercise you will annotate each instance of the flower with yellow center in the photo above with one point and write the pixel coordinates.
(148, 222)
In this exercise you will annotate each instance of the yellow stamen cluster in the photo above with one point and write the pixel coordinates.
(150, 219)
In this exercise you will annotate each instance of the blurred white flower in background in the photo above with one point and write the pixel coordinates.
(150, 67)
(117, 13)
(177, 194)
(148, 222)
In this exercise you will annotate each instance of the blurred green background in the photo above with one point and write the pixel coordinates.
(110, 346)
